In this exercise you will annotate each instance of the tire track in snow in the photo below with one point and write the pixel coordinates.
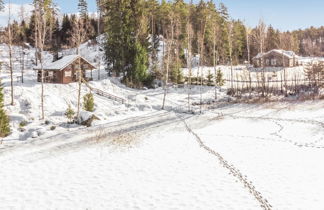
(84, 137)
(233, 170)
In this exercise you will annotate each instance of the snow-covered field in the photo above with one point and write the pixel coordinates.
(153, 162)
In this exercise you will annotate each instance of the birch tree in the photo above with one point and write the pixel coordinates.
(189, 55)
(22, 17)
(78, 35)
(230, 47)
(261, 33)
(248, 31)
(10, 54)
(215, 56)
(169, 35)
(98, 32)
(43, 12)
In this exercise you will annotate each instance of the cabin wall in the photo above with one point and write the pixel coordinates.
(274, 60)
(67, 75)
(70, 73)
(50, 76)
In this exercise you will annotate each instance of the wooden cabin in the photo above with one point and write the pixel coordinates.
(276, 58)
(64, 70)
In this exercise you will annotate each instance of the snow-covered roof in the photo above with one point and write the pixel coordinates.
(289, 54)
(62, 63)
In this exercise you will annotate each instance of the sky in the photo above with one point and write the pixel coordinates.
(281, 14)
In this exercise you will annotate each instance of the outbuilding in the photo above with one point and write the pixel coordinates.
(64, 70)
(276, 58)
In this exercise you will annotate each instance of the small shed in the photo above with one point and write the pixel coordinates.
(64, 70)
(276, 58)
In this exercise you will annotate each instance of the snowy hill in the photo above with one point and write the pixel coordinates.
(137, 156)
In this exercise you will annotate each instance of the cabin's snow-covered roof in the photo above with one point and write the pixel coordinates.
(61, 63)
(289, 54)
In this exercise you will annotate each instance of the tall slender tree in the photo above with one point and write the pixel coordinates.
(10, 54)
(168, 34)
(189, 51)
(78, 36)
(43, 13)
(98, 33)
(230, 47)
(83, 9)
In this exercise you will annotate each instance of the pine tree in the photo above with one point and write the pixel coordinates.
(4, 119)
(70, 113)
(219, 78)
(210, 78)
(88, 102)
(83, 9)
(140, 64)
(65, 30)
(126, 47)
(272, 40)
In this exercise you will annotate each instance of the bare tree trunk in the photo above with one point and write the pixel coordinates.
(42, 93)
(230, 51)
(10, 55)
(201, 58)
(189, 32)
(285, 79)
(215, 61)
(169, 47)
(99, 57)
(79, 87)
(22, 61)
(250, 81)
(248, 44)
(166, 74)
(41, 12)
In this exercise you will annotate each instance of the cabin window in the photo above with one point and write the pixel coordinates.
(273, 62)
(267, 62)
(67, 74)
(50, 74)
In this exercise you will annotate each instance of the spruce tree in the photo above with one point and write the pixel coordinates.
(219, 78)
(70, 113)
(140, 64)
(83, 9)
(126, 47)
(4, 119)
(66, 29)
(88, 102)
(273, 39)
(209, 78)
